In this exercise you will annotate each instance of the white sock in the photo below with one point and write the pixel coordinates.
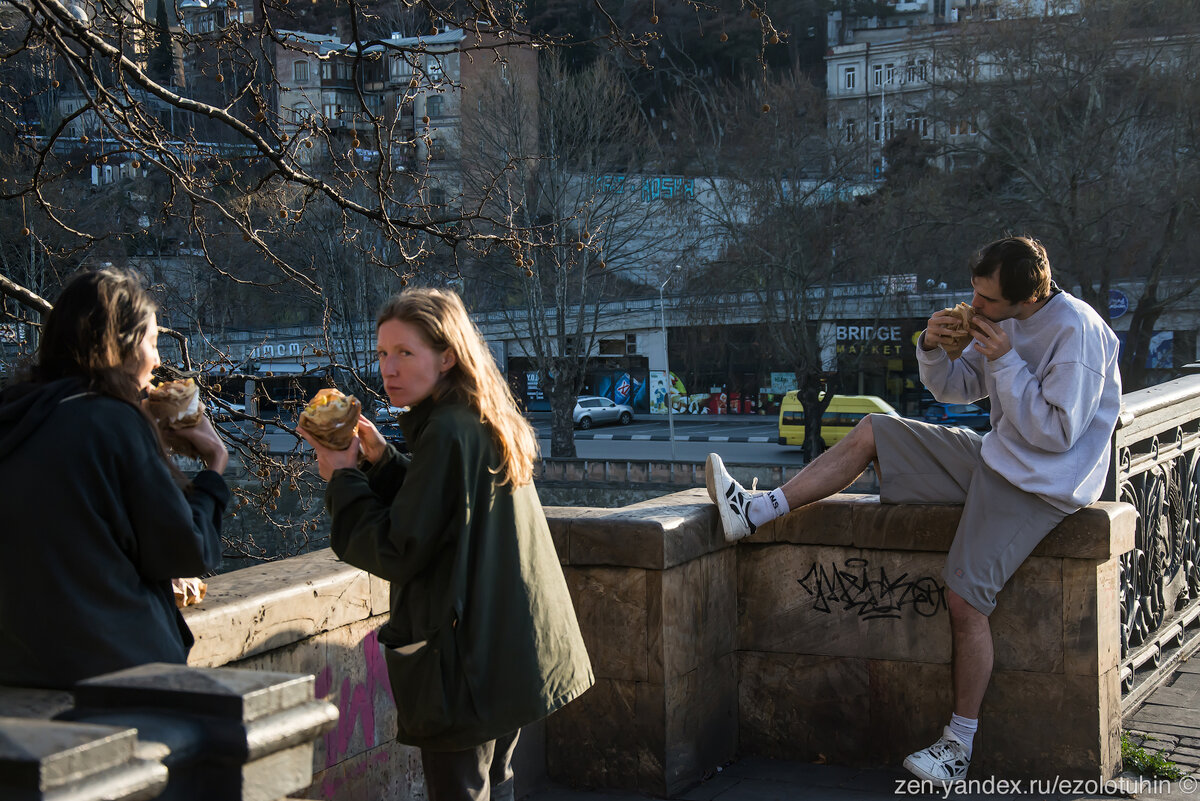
(767, 506)
(964, 729)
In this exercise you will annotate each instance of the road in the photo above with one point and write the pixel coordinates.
(746, 441)
(738, 441)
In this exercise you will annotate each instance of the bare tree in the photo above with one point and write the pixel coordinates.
(277, 212)
(557, 166)
(1082, 128)
(775, 210)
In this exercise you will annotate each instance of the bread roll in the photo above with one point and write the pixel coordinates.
(175, 404)
(965, 314)
(331, 418)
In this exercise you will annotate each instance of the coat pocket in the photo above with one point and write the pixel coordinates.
(426, 686)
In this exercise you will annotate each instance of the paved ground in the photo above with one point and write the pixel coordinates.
(1169, 722)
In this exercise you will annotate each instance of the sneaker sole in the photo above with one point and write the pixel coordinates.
(912, 768)
(709, 472)
(728, 519)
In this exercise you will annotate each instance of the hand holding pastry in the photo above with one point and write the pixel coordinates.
(950, 330)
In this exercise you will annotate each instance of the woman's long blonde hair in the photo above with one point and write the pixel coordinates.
(474, 380)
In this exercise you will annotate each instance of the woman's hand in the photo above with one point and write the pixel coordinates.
(330, 460)
(372, 442)
(206, 442)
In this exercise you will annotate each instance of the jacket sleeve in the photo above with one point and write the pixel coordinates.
(1052, 413)
(175, 535)
(398, 540)
(958, 380)
(386, 475)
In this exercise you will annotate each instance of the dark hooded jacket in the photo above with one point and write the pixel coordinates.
(94, 529)
(482, 638)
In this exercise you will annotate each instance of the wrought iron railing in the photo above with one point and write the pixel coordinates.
(1156, 467)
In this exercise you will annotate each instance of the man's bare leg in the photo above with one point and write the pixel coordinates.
(833, 470)
(973, 654)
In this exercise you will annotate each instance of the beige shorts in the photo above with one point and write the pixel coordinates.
(1000, 524)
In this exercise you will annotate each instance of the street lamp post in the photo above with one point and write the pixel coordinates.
(667, 359)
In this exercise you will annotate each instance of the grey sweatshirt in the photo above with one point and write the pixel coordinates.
(1055, 400)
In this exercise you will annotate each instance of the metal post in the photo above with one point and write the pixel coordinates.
(667, 360)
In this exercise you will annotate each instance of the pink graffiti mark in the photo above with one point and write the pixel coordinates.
(355, 702)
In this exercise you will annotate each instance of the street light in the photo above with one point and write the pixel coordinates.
(666, 357)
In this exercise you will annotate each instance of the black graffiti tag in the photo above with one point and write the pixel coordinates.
(871, 595)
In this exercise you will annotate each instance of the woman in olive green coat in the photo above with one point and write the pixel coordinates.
(482, 638)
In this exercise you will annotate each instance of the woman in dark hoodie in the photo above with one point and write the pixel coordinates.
(97, 521)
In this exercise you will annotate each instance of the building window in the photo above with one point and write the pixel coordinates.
(850, 77)
(400, 68)
(877, 73)
(437, 197)
(331, 111)
(919, 125)
(300, 72)
(885, 130)
(434, 106)
(889, 73)
(851, 130)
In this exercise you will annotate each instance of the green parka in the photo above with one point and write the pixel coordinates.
(482, 637)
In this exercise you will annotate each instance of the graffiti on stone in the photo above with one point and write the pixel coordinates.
(871, 593)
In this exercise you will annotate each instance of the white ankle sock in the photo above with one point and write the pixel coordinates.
(964, 729)
(766, 507)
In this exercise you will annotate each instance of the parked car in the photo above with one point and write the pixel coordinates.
(590, 411)
(963, 415)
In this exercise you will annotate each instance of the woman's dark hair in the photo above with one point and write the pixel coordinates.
(1024, 267)
(94, 331)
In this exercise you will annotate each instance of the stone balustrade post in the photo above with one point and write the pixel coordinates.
(167, 732)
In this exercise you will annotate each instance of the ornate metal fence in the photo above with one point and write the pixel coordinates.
(1156, 467)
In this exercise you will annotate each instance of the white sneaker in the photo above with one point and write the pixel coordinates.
(731, 498)
(945, 762)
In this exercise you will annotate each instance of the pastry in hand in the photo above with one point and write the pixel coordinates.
(175, 404)
(962, 333)
(331, 418)
(188, 591)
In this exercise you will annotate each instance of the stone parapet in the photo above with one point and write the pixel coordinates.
(824, 636)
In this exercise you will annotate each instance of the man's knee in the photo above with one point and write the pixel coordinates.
(962, 613)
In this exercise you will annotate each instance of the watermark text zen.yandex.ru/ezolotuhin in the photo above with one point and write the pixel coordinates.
(1041, 788)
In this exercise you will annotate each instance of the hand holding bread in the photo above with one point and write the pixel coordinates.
(950, 330)
(331, 418)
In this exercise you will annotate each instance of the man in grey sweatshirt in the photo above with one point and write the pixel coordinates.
(1048, 363)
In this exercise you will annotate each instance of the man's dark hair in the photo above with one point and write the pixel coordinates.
(1023, 264)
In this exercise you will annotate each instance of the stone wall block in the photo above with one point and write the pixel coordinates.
(1027, 630)
(702, 722)
(699, 612)
(800, 707)
(842, 602)
(613, 608)
(910, 704)
(1091, 622)
(610, 737)
(1045, 725)
(273, 605)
